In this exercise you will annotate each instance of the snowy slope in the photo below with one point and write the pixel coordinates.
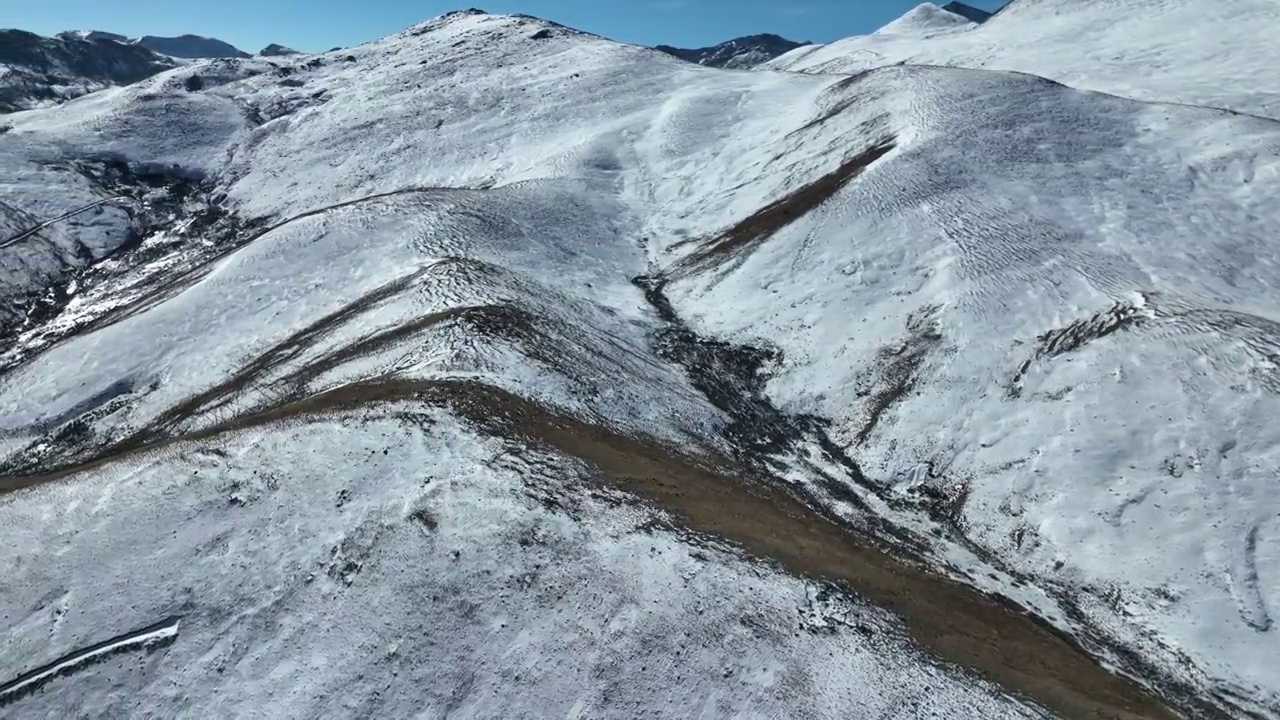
(1080, 374)
(422, 570)
(1034, 318)
(1181, 51)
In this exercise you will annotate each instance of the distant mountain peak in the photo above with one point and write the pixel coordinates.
(924, 19)
(739, 53)
(191, 47)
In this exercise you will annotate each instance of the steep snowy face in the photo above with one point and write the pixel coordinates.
(37, 70)
(387, 314)
(1143, 49)
(739, 54)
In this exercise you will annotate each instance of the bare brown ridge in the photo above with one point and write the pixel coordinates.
(956, 623)
(767, 221)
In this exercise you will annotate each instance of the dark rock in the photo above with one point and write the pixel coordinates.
(968, 12)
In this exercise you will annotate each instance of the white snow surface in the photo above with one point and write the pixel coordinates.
(1137, 470)
(406, 568)
(1200, 52)
(925, 19)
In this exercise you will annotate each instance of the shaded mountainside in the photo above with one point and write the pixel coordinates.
(191, 47)
(925, 20)
(40, 70)
(740, 53)
(968, 12)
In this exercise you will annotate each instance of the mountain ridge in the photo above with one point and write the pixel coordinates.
(968, 12)
(531, 329)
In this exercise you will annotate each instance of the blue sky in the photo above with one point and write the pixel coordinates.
(316, 25)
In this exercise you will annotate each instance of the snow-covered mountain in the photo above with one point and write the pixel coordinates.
(926, 20)
(1141, 49)
(496, 365)
(740, 53)
(37, 70)
(968, 12)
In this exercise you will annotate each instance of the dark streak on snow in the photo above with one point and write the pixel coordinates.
(153, 636)
(1059, 341)
(738, 240)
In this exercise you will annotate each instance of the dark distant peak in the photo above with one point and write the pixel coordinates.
(191, 46)
(968, 12)
(78, 57)
(764, 38)
(275, 50)
(739, 53)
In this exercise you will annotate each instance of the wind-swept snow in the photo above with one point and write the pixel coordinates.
(1024, 330)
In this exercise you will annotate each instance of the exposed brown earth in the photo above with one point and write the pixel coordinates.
(749, 232)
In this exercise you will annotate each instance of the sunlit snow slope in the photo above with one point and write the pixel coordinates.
(1199, 52)
(367, 355)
